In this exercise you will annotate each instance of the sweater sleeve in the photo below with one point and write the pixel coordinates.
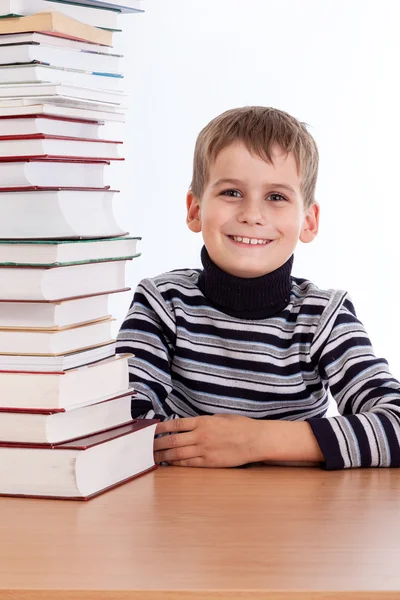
(149, 333)
(367, 431)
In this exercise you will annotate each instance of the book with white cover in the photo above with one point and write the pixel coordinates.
(53, 315)
(58, 214)
(61, 283)
(25, 342)
(58, 362)
(18, 74)
(81, 469)
(47, 174)
(63, 93)
(40, 145)
(72, 128)
(57, 56)
(47, 38)
(99, 17)
(54, 253)
(30, 108)
(54, 427)
(82, 386)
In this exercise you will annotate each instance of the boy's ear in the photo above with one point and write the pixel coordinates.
(193, 217)
(310, 224)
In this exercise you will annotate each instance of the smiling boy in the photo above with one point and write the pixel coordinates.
(237, 359)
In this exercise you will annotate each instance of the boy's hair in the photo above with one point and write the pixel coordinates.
(259, 128)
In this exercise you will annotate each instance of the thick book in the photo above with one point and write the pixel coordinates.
(96, 17)
(77, 387)
(52, 253)
(57, 363)
(58, 214)
(91, 115)
(63, 93)
(60, 283)
(43, 426)
(38, 173)
(80, 469)
(50, 39)
(40, 145)
(15, 74)
(57, 56)
(53, 315)
(48, 125)
(60, 341)
(57, 24)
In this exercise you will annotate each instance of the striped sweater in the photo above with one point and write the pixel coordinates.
(192, 358)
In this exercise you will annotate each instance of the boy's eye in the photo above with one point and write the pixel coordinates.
(276, 197)
(231, 193)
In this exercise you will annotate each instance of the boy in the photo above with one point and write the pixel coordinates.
(237, 359)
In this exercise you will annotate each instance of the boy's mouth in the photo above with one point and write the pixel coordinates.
(245, 241)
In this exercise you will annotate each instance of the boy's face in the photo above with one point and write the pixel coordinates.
(247, 199)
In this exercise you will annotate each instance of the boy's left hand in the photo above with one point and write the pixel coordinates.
(209, 441)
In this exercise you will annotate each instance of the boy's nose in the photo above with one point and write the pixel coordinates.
(251, 212)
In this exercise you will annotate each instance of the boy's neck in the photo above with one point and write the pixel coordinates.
(254, 298)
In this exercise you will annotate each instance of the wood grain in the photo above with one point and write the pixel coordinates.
(259, 532)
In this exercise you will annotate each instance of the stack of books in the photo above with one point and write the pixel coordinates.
(65, 404)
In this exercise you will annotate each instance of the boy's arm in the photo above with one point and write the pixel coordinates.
(367, 432)
(149, 333)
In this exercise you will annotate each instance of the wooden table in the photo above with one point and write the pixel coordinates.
(258, 532)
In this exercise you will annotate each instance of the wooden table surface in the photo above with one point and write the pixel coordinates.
(259, 532)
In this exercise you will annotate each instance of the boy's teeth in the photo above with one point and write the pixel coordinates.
(252, 241)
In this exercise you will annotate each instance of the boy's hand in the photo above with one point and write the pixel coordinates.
(210, 441)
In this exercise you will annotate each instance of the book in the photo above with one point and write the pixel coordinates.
(25, 342)
(48, 38)
(44, 314)
(54, 253)
(55, 94)
(127, 6)
(56, 363)
(57, 24)
(80, 469)
(37, 173)
(95, 16)
(58, 214)
(62, 91)
(60, 283)
(17, 74)
(46, 125)
(39, 52)
(91, 115)
(43, 145)
(82, 386)
(38, 426)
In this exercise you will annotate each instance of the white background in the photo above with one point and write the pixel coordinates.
(334, 64)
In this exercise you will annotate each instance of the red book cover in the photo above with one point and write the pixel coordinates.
(45, 136)
(85, 161)
(52, 117)
(37, 188)
(53, 157)
(84, 443)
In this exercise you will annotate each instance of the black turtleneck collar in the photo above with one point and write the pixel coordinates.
(246, 298)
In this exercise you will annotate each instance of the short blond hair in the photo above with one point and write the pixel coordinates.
(260, 128)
